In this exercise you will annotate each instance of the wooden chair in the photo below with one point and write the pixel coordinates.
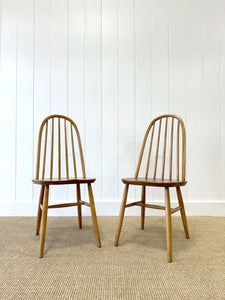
(163, 165)
(56, 156)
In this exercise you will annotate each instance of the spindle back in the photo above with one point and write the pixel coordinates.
(163, 150)
(59, 151)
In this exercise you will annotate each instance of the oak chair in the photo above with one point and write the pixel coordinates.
(56, 156)
(162, 162)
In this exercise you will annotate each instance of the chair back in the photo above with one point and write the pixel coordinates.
(163, 152)
(59, 151)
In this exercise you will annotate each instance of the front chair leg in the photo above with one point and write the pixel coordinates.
(143, 208)
(168, 225)
(44, 221)
(121, 216)
(39, 213)
(182, 212)
(79, 214)
(93, 213)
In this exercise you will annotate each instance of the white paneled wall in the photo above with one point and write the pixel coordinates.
(112, 65)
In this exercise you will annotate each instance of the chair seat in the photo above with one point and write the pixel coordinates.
(153, 182)
(55, 181)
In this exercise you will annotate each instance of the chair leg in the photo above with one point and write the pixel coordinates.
(93, 213)
(39, 213)
(121, 216)
(143, 208)
(44, 221)
(168, 225)
(79, 214)
(182, 212)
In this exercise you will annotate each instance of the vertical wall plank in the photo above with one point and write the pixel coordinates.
(222, 88)
(177, 63)
(195, 104)
(0, 31)
(126, 79)
(160, 64)
(110, 120)
(42, 72)
(93, 97)
(76, 64)
(42, 62)
(143, 101)
(160, 55)
(177, 57)
(143, 72)
(112, 66)
(59, 57)
(24, 126)
(59, 76)
(212, 105)
(76, 103)
(8, 90)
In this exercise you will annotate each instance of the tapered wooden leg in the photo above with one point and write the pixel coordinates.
(182, 212)
(168, 225)
(93, 213)
(121, 216)
(39, 213)
(79, 214)
(44, 221)
(143, 208)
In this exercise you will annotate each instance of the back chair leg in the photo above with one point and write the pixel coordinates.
(182, 212)
(143, 208)
(39, 213)
(79, 214)
(44, 221)
(168, 225)
(121, 216)
(93, 213)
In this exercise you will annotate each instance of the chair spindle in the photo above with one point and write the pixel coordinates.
(45, 149)
(49, 141)
(59, 150)
(66, 151)
(164, 149)
(171, 149)
(73, 151)
(157, 150)
(52, 149)
(178, 149)
(150, 150)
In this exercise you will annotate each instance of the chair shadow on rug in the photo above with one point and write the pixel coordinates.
(163, 164)
(68, 237)
(151, 239)
(60, 156)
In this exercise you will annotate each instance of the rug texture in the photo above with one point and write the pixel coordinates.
(73, 267)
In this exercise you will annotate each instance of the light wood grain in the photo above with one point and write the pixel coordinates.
(66, 150)
(59, 150)
(52, 149)
(164, 149)
(93, 214)
(171, 150)
(178, 150)
(45, 182)
(74, 160)
(79, 212)
(143, 194)
(157, 149)
(149, 152)
(121, 216)
(44, 221)
(168, 225)
(39, 214)
(166, 181)
(45, 149)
